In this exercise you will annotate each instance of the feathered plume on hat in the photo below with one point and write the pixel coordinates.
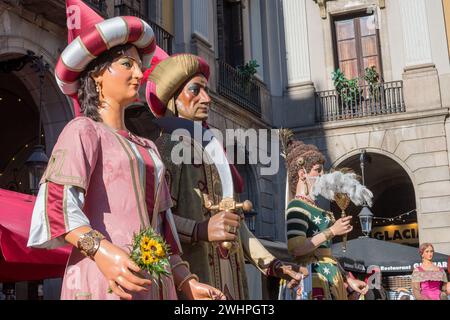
(286, 138)
(328, 185)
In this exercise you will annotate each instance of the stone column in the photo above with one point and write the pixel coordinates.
(416, 39)
(298, 67)
(422, 93)
(421, 81)
(296, 35)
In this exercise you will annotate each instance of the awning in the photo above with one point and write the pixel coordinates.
(391, 258)
(388, 256)
(17, 262)
(280, 251)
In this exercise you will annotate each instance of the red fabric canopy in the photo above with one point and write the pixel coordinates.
(17, 262)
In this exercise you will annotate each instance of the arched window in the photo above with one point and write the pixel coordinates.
(250, 192)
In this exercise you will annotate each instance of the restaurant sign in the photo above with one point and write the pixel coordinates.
(405, 233)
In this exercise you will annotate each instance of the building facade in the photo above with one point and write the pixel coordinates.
(401, 122)
(228, 34)
(198, 26)
(399, 116)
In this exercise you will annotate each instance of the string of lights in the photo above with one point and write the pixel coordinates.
(404, 217)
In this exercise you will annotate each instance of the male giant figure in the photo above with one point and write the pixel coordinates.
(177, 87)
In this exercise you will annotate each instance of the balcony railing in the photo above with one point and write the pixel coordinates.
(245, 92)
(163, 38)
(382, 99)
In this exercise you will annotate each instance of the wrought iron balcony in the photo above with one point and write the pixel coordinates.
(245, 92)
(163, 38)
(128, 8)
(381, 99)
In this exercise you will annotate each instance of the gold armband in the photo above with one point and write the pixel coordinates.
(89, 242)
(328, 234)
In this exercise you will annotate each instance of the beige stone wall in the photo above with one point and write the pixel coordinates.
(418, 140)
(446, 4)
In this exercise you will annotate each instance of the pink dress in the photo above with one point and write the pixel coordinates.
(112, 181)
(430, 282)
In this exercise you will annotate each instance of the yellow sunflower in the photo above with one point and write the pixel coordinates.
(160, 251)
(144, 243)
(154, 247)
(147, 258)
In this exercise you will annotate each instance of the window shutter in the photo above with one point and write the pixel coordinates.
(357, 45)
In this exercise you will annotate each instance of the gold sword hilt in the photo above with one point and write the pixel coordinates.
(228, 205)
(343, 201)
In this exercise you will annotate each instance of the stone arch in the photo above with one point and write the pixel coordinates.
(251, 189)
(393, 187)
(382, 152)
(56, 108)
(419, 147)
(419, 150)
(18, 35)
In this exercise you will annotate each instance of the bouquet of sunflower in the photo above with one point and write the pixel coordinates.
(151, 253)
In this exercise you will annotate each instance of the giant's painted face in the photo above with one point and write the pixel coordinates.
(120, 82)
(428, 253)
(193, 102)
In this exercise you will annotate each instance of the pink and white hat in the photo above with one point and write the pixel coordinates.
(89, 35)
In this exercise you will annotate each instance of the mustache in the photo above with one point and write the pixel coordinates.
(205, 105)
(201, 105)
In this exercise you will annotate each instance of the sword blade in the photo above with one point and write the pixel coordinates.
(211, 146)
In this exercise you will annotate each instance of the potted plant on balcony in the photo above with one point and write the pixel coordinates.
(349, 91)
(247, 72)
(373, 80)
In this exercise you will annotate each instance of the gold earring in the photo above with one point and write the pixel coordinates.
(98, 87)
(306, 187)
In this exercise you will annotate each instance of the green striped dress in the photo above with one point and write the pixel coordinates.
(304, 220)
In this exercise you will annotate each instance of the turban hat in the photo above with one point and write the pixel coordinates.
(89, 35)
(168, 77)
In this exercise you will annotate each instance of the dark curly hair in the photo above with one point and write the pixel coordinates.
(300, 155)
(87, 93)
